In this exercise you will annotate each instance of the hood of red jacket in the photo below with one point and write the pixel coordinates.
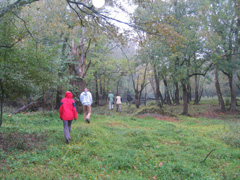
(68, 95)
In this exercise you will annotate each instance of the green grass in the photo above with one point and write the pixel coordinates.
(119, 146)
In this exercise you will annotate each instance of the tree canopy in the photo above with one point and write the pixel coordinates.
(50, 46)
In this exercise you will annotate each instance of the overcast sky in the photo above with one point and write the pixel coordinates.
(121, 15)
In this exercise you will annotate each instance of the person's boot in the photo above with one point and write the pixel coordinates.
(88, 121)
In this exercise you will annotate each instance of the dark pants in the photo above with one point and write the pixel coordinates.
(119, 107)
(67, 129)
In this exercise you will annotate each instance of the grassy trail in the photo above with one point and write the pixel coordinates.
(118, 146)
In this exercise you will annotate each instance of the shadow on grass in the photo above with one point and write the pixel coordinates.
(22, 142)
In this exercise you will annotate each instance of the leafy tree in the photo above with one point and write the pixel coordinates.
(22, 68)
(223, 18)
(178, 28)
(155, 53)
(9, 60)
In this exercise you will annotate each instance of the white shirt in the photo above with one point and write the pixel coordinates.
(118, 98)
(86, 98)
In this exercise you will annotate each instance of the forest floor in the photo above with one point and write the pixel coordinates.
(145, 143)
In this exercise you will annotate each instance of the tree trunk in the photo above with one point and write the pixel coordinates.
(2, 101)
(137, 100)
(196, 100)
(155, 95)
(168, 100)
(104, 88)
(185, 99)
(118, 84)
(96, 86)
(234, 92)
(218, 90)
(44, 102)
(200, 95)
(177, 97)
(58, 98)
(29, 106)
(158, 94)
(2, 89)
(145, 98)
(189, 91)
(177, 94)
(140, 97)
(81, 85)
(101, 87)
(138, 91)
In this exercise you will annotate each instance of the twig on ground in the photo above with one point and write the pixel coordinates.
(208, 155)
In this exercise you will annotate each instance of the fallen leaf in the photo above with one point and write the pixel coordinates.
(135, 167)
(75, 176)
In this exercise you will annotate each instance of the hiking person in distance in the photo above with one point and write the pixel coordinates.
(110, 100)
(119, 103)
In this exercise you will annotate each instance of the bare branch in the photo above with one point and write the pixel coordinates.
(201, 74)
(133, 81)
(25, 25)
(208, 155)
(89, 43)
(76, 13)
(87, 68)
(10, 46)
(17, 4)
(95, 14)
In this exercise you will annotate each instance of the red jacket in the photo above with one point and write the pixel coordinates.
(67, 108)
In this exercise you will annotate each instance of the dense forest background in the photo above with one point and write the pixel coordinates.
(172, 51)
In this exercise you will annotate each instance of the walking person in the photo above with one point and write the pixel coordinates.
(86, 100)
(129, 99)
(110, 100)
(67, 112)
(119, 103)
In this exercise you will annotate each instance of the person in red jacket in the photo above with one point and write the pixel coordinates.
(67, 112)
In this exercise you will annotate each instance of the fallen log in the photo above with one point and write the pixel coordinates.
(27, 107)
